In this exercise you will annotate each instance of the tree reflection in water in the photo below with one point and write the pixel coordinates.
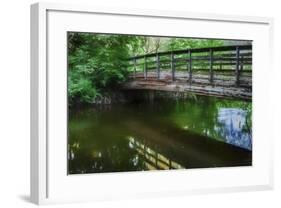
(199, 133)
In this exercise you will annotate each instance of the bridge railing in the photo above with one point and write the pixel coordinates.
(225, 65)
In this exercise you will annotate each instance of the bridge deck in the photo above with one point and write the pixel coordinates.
(219, 71)
(223, 86)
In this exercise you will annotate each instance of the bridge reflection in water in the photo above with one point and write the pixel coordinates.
(152, 159)
(199, 133)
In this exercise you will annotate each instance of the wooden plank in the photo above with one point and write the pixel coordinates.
(201, 58)
(216, 58)
(219, 79)
(167, 63)
(219, 91)
(197, 50)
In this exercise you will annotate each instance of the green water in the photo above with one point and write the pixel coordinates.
(194, 133)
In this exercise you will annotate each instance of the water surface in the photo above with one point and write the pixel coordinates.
(201, 132)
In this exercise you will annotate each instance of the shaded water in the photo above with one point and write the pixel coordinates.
(193, 133)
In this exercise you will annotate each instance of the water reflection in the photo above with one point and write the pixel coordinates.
(223, 120)
(197, 133)
(152, 159)
(235, 129)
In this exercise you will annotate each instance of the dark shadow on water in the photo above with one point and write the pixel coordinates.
(163, 134)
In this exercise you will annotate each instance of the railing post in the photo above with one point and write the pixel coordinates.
(135, 70)
(145, 68)
(211, 66)
(241, 63)
(157, 66)
(172, 66)
(237, 66)
(190, 67)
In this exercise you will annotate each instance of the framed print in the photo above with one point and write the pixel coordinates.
(133, 103)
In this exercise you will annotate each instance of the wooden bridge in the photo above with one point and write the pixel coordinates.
(224, 71)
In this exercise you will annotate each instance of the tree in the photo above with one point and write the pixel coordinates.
(96, 64)
(188, 43)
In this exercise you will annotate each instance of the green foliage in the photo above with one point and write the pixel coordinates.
(188, 43)
(96, 64)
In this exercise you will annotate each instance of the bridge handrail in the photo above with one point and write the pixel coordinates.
(196, 50)
(234, 57)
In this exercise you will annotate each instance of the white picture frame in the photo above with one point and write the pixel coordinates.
(49, 181)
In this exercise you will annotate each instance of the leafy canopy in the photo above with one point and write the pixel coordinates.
(97, 62)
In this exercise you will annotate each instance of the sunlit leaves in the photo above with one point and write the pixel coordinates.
(96, 63)
(188, 43)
